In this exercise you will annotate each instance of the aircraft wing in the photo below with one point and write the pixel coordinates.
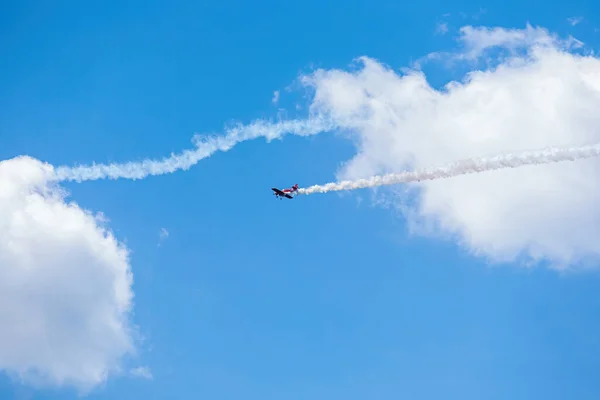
(281, 193)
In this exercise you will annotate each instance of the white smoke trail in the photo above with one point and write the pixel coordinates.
(188, 158)
(463, 167)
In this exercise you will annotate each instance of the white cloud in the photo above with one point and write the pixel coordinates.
(575, 20)
(163, 234)
(141, 372)
(477, 40)
(546, 96)
(475, 16)
(275, 97)
(65, 284)
(441, 28)
(479, 13)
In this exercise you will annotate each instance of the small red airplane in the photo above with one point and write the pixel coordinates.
(289, 193)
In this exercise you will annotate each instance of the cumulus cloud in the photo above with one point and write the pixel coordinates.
(65, 284)
(544, 96)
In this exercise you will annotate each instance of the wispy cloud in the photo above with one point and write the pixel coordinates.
(163, 234)
(441, 28)
(479, 13)
(275, 99)
(141, 372)
(474, 16)
(574, 20)
(475, 41)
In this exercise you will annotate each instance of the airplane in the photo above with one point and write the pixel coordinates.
(289, 193)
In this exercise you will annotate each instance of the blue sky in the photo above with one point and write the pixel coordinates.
(326, 296)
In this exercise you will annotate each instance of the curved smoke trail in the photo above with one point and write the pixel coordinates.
(463, 167)
(188, 158)
(312, 126)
